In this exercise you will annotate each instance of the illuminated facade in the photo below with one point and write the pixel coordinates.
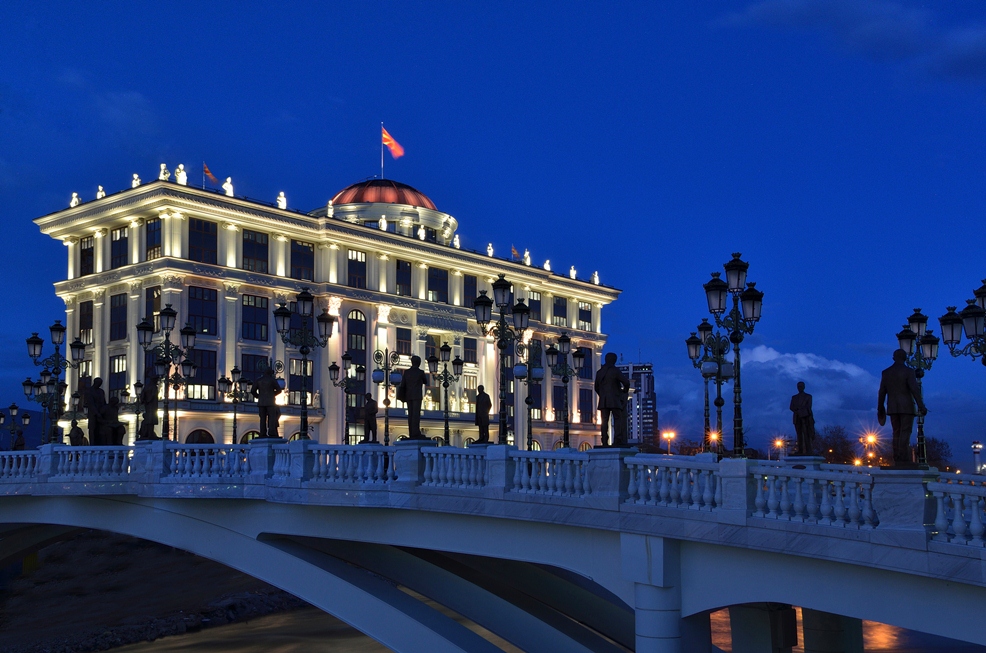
(642, 405)
(380, 257)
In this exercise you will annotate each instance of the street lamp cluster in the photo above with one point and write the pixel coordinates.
(970, 320)
(445, 377)
(348, 385)
(386, 372)
(173, 364)
(557, 359)
(236, 389)
(49, 390)
(13, 427)
(708, 350)
(529, 373)
(921, 347)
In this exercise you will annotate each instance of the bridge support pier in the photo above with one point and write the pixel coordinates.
(825, 632)
(763, 627)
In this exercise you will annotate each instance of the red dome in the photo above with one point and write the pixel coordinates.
(382, 190)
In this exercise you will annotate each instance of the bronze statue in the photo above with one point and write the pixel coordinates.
(613, 388)
(899, 387)
(265, 390)
(410, 391)
(95, 403)
(804, 421)
(149, 403)
(111, 429)
(370, 409)
(483, 407)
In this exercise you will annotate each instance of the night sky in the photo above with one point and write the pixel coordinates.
(838, 145)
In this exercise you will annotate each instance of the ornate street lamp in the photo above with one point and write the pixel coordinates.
(13, 427)
(52, 402)
(304, 339)
(529, 373)
(386, 373)
(707, 351)
(173, 364)
(558, 364)
(972, 320)
(503, 333)
(348, 383)
(921, 347)
(738, 321)
(236, 389)
(445, 377)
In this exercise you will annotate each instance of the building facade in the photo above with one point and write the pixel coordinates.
(380, 257)
(642, 404)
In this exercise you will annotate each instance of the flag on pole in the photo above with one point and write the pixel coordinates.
(395, 148)
(514, 253)
(208, 173)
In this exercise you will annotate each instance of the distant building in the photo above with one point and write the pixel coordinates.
(977, 449)
(642, 407)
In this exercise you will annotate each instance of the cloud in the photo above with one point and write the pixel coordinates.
(880, 29)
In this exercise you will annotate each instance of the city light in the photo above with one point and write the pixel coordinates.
(857, 462)
(668, 437)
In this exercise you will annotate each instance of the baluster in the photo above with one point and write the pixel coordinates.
(568, 476)
(759, 501)
(653, 493)
(448, 473)
(854, 510)
(685, 481)
(429, 469)
(707, 479)
(772, 500)
(519, 464)
(545, 474)
(632, 492)
(785, 498)
(811, 509)
(378, 470)
(976, 521)
(474, 466)
(840, 503)
(665, 485)
(869, 518)
(578, 487)
(717, 496)
(958, 518)
(799, 499)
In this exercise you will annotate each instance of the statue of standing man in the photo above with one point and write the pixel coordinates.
(265, 390)
(804, 421)
(411, 392)
(613, 388)
(899, 388)
(95, 405)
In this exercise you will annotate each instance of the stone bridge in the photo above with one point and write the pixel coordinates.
(604, 550)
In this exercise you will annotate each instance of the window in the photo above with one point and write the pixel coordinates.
(403, 285)
(469, 291)
(118, 376)
(586, 410)
(203, 310)
(438, 285)
(585, 316)
(85, 369)
(357, 269)
(470, 386)
(202, 241)
(85, 322)
(299, 376)
(356, 332)
(203, 386)
(469, 350)
(152, 305)
(534, 303)
(432, 345)
(431, 236)
(87, 256)
(255, 247)
(251, 367)
(587, 372)
(118, 317)
(302, 260)
(558, 398)
(535, 349)
(537, 402)
(559, 316)
(152, 239)
(404, 342)
(256, 317)
(119, 247)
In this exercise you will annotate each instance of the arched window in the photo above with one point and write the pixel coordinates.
(438, 440)
(200, 436)
(535, 445)
(560, 444)
(295, 436)
(584, 446)
(356, 347)
(469, 441)
(249, 435)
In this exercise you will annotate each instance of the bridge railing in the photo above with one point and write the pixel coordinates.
(691, 483)
(557, 473)
(218, 462)
(352, 464)
(959, 500)
(18, 465)
(104, 463)
(449, 467)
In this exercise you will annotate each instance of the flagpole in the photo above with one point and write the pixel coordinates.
(203, 175)
(381, 149)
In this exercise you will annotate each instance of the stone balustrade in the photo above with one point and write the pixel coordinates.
(687, 482)
(830, 495)
(959, 500)
(557, 473)
(451, 467)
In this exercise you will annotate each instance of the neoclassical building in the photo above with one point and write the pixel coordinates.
(381, 257)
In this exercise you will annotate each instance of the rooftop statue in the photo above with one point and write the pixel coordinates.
(383, 223)
(165, 174)
(228, 187)
(421, 232)
(282, 202)
(527, 257)
(74, 202)
(489, 249)
(595, 277)
(547, 265)
(180, 175)
(100, 193)
(455, 241)
(571, 272)
(330, 210)
(136, 181)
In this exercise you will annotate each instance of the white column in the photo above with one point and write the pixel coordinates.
(653, 565)
(100, 336)
(420, 280)
(137, 251)
(279, 263)
(72, 247)
(101, 254)
(134, 357)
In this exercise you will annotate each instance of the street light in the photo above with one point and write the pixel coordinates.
(503, 333)
(445, 376)
(304, 339)
(708, 350)
(13, 427)
(738, 321)
(347, 384)
(168, 355)
(558, 364)
(236, 389)
(53, 365)
(972, 320)
(921, 347)
(386, 373)
(530, 373)
(668, 436)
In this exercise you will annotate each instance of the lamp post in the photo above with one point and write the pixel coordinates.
(169, 355)
(739, 321)
(971, 320)
(54, 365)
(530, 373)
(708, 350)
(503, 333)
(236, 389)
(387, 374)
(921, 347)
(445, 376)
(13, 426)
(128, 405)
(347, 384)
(304, 339)
(668, 436)
(558, 363)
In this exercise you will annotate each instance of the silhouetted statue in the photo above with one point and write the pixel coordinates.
(613, 388)
(149, 403)
(111, 429)
(18, 443)
(265, 390)
(804, 421)
(484, 404)
(410, 391)
(370, 409)
(95, 404)
(899, 387)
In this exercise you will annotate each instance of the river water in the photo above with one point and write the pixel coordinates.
(312, 631)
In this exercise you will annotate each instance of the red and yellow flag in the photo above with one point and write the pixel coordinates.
(395, 148)
(208, 173)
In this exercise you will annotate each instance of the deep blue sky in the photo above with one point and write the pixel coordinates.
(839, 146)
